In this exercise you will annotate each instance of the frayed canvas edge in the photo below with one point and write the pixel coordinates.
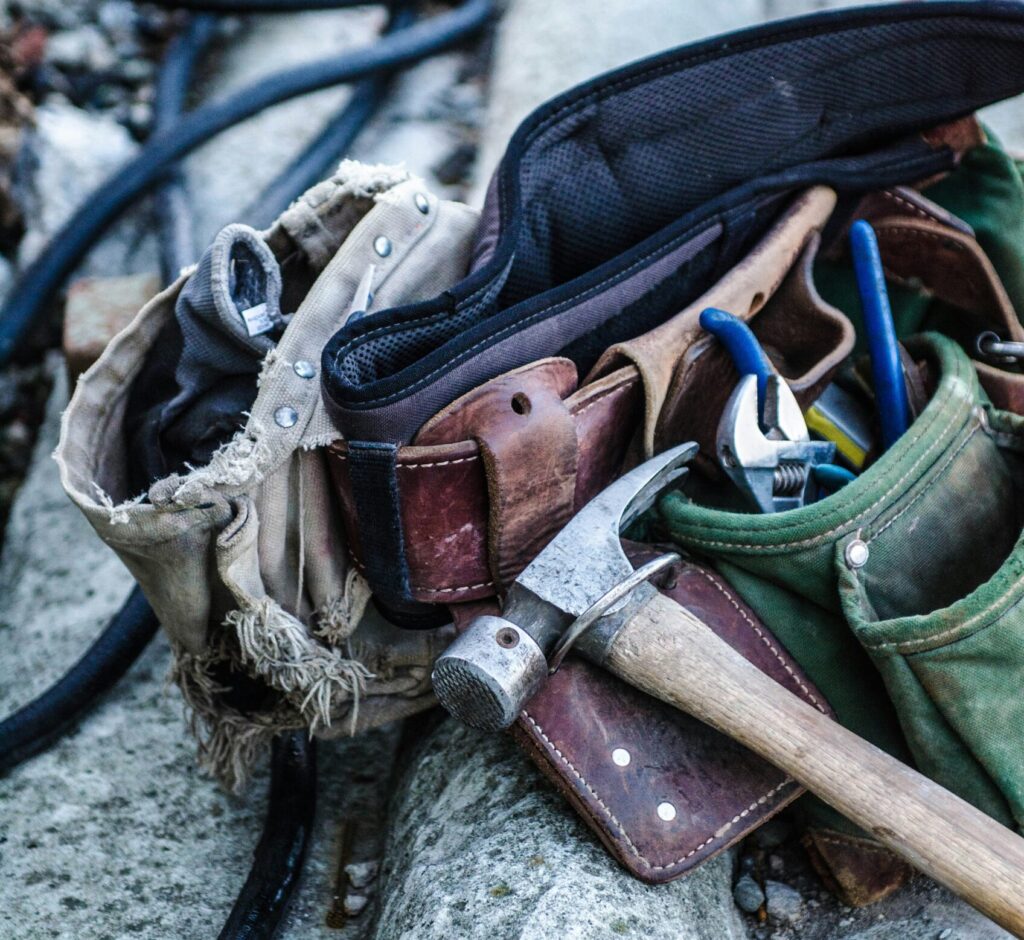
(229, 743)
(241, 461)
(117, 513)
(277, 648)
(367, 180)
(338, 618)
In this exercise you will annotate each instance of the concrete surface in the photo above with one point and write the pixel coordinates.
(226, 175)
(113, 833)
(481, 846)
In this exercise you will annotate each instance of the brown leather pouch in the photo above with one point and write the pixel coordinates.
(662, 791)
(489, 480)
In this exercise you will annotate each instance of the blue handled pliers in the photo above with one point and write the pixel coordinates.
(886, 368)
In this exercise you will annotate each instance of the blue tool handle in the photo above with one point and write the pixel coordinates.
(831, 477)
(742, 345)
(886, 368)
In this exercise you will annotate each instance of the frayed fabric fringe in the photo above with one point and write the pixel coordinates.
(241, 461)
(277, 647)
(230, 743)
(340, 616)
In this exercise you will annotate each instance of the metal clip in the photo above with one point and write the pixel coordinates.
(1004, 352)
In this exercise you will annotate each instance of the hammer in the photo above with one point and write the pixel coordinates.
(582, 594)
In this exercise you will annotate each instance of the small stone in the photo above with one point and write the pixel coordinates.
(85, 50)
(97, 309)
(140, 118)
(355, 904)
(65, 157)
(945, 934)
(136, 71)
(783, 902)
(360, 874)
(17, 434)
(118, 18)
(776, 864)
(748, 895)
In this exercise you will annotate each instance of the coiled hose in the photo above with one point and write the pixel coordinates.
(281, 850)
(48, 272)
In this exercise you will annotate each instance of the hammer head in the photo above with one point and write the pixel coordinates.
(486, 676)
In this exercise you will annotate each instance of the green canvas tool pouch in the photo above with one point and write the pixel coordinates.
(901, 593)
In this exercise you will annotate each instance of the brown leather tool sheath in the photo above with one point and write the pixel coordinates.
(662, 791)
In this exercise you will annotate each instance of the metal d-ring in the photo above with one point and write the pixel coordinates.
(604, 605)
(991, 347)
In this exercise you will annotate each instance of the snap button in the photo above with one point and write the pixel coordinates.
(286, 416)
(856, 554)
(304, 369)
(382, 245)
(422, 203)
(666, 812)
(621, 757)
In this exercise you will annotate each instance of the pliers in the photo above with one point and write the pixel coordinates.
(890, 385)
(763, 444)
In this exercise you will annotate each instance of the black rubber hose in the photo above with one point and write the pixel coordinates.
(174, 221)
(35, 726)
(45, 275)
(320, 156)
(277, 861)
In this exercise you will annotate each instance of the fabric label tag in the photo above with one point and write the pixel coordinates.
(257, 320)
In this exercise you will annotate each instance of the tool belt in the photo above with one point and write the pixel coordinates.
(235, 538)
(507, 368)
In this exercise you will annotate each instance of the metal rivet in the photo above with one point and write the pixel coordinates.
(507, 637)
(856, 554)
(621, 757)
(422, 203)
(666, 811)
(382, 245)
(286, 416)
(304, 369)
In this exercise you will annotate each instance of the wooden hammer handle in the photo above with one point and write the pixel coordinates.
(669, 654)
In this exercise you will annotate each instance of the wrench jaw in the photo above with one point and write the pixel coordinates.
(773, 469)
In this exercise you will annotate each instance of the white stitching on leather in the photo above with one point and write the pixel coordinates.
(431, 590)
(907, 204)
(764, 639)
(760, 801)
(417, 466)
(453, 590)
(437, 463)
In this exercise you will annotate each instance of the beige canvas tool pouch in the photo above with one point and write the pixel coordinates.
(243, 558)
